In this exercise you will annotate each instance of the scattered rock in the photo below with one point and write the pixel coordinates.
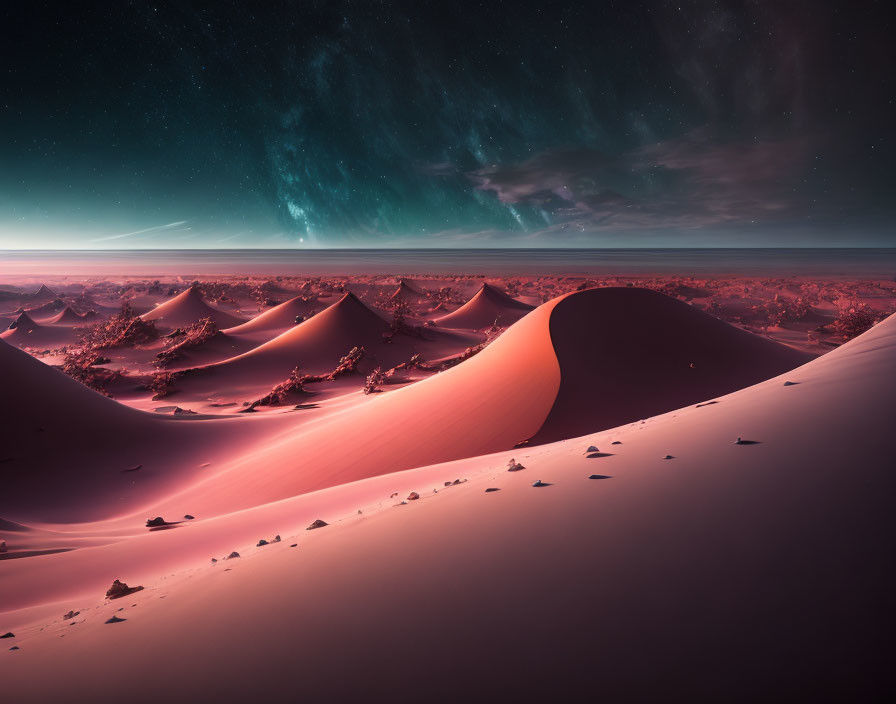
(276, 539)
(115, 619)
(514, 466)
(599, 476)
(261, 543)
(457, 481)
(413, 496)
(120, 589)
(8, 634)
(317, 524)
(70, 615)
(491, 489)
(232, 555)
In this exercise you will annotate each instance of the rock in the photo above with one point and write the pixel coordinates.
(514, 466)
(294, 545)
(115, 619)
(669, 457)
(540, 483)
(447, 483)
(2, 546)
(8, 634)
(791, 383)
(599, 476)
(616, 442)
(188, 517)
(261, 543)
(413, 496)
(15, 647)
(592, 448)
(317, 524)
(214, 560)
(154, 522)
(457, 481)
(70, 615)
(120, 589)
(232, 555)
(276, 539)
(491, 489)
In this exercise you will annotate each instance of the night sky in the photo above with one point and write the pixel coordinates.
(451, 124)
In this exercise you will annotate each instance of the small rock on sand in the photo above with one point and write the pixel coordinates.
(491, 489)
(188, 517)
(592, 448)
(232, 555)
(616, 442)
(317, 524)
(540, 483)
(214, 560)
(294, 545)
(669, 457)
(120, 589)
(276, 539)
(457, 481)
(115, 619)
(15, 647)
(8, 634)
(791, 383)
(261, 542)
(413, 496)
(154, 522)
(70, 615)
(514, 466)
(599, 476)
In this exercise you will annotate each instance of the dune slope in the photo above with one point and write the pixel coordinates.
(630, 353)
(187, 308)
(733, 572)
(488, 307)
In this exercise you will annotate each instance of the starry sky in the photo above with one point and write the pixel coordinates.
(446, 124)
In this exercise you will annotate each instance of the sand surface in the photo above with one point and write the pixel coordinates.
(712, 519)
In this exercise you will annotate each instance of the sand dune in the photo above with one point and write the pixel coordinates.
(488, 307)
(727, 573)
(279, 318)
(512, 391)
(25, 332)
(630, 353)
(527, 384)
(67, 316)
(187, 308)
(64, 447)
(317, 345)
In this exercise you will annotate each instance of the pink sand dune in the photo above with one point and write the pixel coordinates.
(487, 307)
(724, 574)
(187, 308)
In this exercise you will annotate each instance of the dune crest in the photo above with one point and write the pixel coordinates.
(187, 308)
(488, 307)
